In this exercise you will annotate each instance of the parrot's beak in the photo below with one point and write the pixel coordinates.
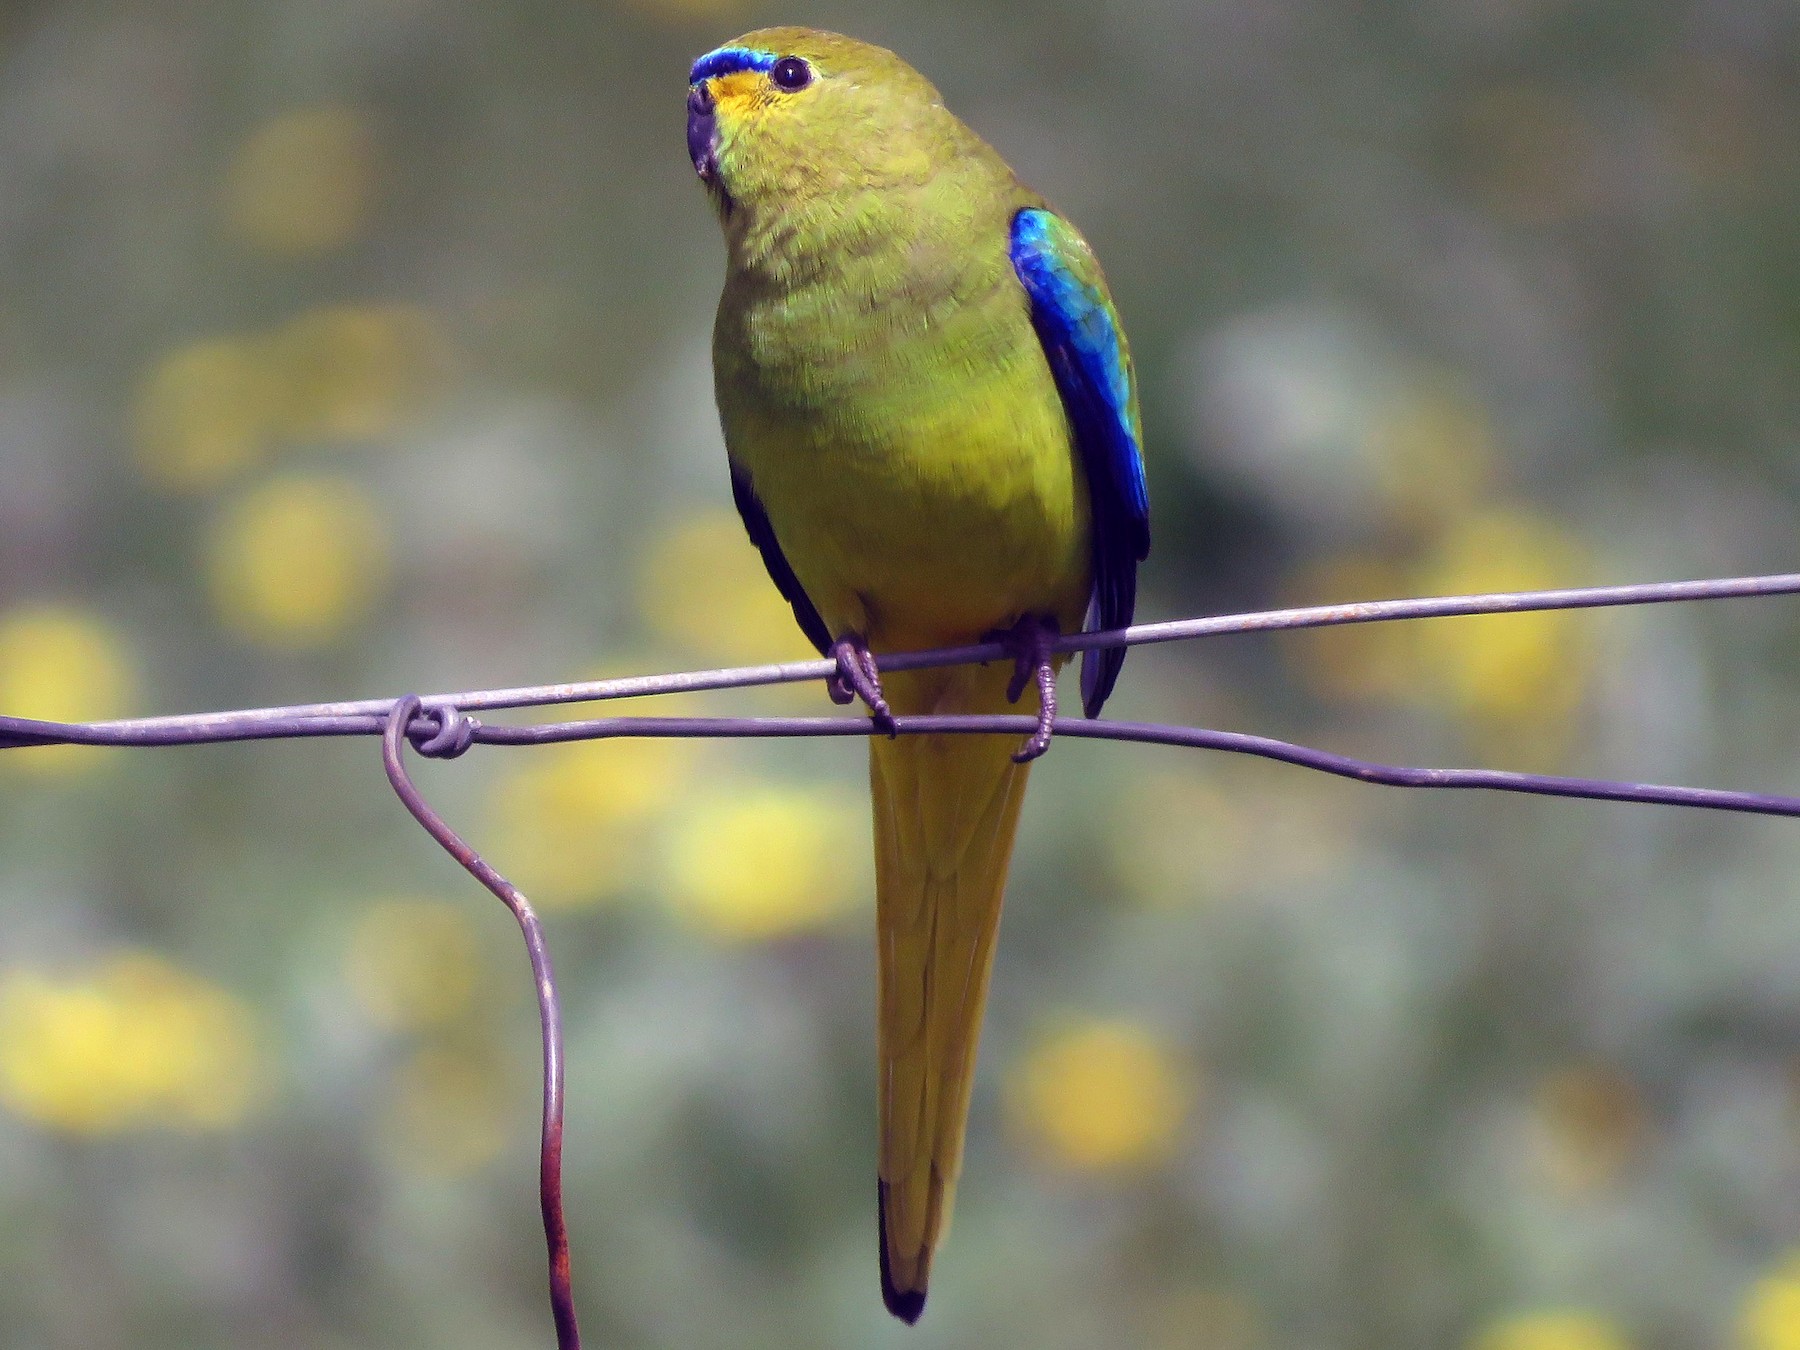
(703, 133)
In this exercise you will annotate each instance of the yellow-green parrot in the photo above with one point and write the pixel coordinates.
(933, 435)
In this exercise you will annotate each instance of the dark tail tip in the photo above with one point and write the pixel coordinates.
(906, 1304)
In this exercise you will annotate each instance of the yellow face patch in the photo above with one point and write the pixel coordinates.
(738, 87)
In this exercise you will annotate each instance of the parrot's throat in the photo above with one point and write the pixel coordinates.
(798, 237)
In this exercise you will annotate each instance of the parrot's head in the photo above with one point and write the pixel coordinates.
(788, 116)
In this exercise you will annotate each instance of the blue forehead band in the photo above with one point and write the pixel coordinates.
(727, 60)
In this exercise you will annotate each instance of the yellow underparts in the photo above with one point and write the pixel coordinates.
(974, 518)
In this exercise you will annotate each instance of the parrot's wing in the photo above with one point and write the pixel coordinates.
(762, 534)
(1080, 332)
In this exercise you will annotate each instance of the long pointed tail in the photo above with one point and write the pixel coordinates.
(945, 811)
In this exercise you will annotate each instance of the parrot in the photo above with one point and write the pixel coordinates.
(932, 428)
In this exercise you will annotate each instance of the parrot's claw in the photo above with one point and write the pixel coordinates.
(1031, 640)
(858, 677)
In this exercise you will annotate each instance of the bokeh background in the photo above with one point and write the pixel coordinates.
(350, 347)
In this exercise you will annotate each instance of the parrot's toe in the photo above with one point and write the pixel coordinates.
(1031, 641)
(859, 677)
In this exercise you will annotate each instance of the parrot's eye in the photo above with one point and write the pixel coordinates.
(791, 72)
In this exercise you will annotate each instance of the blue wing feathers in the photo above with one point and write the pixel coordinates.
(762, 534)
(1082, 342)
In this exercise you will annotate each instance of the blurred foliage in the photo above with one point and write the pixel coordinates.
(350, 348)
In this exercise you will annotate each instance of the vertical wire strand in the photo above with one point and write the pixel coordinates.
(556, 1233)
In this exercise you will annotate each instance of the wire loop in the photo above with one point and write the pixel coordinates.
(454, 733)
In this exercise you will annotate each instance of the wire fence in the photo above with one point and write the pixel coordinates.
(441, 726)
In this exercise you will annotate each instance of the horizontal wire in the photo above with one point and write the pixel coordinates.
(1150, 733)
(362, 717)
(443, 728)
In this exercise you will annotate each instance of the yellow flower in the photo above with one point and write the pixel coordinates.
(298, 561)
(59, 664)
(301, 185)
(759, 861)
(448, 1114)
(206, 411)
(1771, 1316)
(413, 963)
(702, 587)
(135, 1043)
(358, 372)
(340, 373)
(1514, 680)
(1505, 671)
(1099, 1095)
(1553, 1331)
(572, 820)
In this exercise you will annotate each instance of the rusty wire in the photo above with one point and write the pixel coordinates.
(439, 726)
(543, 974)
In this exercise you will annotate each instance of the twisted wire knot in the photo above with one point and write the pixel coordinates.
(453, 732)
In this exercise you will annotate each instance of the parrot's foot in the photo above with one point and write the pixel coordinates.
(857, 677)
(1030, 640)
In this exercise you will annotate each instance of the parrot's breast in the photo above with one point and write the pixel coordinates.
(904, 433)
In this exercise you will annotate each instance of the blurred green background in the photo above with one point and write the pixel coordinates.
(350, 347)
